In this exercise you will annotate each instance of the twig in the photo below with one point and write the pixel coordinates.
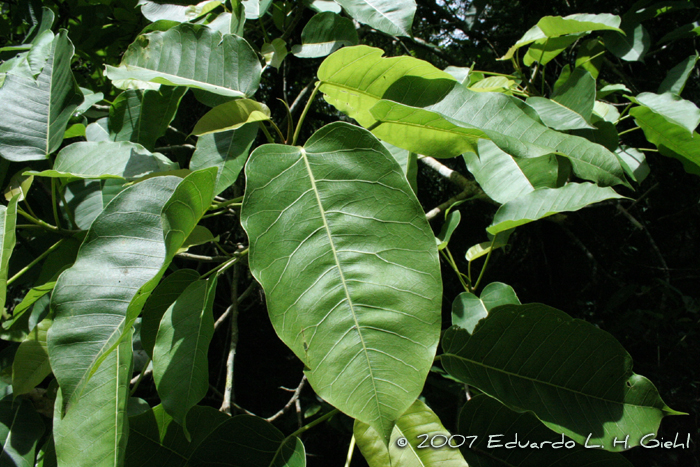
(292, 400)
(433, 213)
(241, 297)
(453, 176)
(202, 258)
(228, 389)
(636, 223)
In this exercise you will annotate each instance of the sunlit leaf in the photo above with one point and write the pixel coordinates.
(557, 116)
(324, 34)
(677, 77)
(573, 376)
(636, 162)
(231, 116)
(274, 52)
(393, 17)
(161, 10)
(363, 317)
(578, 93)
(448, 228)
(670, 106)
(8, 222)
(468, 309)
(545, 50)
(254, 9)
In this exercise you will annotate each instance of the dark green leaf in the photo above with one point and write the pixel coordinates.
(685, 31)
(468, 309)
(324, 34)
(161, 10)
(8, 222)
(578, 93)
(557, 116)
(448, 228)
(31, 363)
(20, 431)
(630, 47)
(678, 75)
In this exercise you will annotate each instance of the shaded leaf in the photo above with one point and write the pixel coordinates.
(677, 77)
(557, 116)
(8, 239)
(490, 421)
(448, 228)
(415, 426)
(393, 17)
(636, 162)
(630, 47)
(408, 161)
(362, 317)
(546, 202)
(493, 84)
(95, 428)
(468, 309)
(573, 376)
(31, 364)
(225, 66)
(685, 31)
(274, 52)
(36, 112)
(231, 116)
(20, 431)
(545, 50)
(324, 34)
(578, 93)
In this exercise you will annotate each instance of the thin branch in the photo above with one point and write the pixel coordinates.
(241, 297)
(433, 213)
(203, 258)
(228, 389)
(453, 176)
(291, 402)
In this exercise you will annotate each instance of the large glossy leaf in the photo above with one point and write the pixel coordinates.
(231, 116)
(95, 429)
(126, 251)
(675, 79)
(324, 34)
(216, 439)
(120, 160)
(31, 364)
(488, 421)
(557, 116)
(180, 365)
(672, 140)
(143, 116)
(468, 309)
(8, 222)
(575, 377)
(20, 430)
(678, 111)
(497, 115)
(160, 300)
(555, 26)
(36, 112)
(504, 177)
(193, 56)
(546, 202)
(363, 317)
(393, 17)
(416, 428)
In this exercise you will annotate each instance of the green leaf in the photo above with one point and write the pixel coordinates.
(484, 248)
(408, 161)
(143, 116)
(160, 300)
(685, 31)
(504, 177)
(590, 57)
(227, 151)
(124, 255)
(611, 88)
(677, 77)
(636, 162)
(8, 238)
(545, 50)
(555, 26)
(274, 52)
(573, 376)
(413, 426)
(448, 228)
(20, 430)
(673, 108)
(468, 309)
(19, 185)
(200, 235)
(632, 46)
(193, 56)
(159, 10)
(94, 431)
(487, 420)
(254, 9)
(32, 296)
(364, 318)
(321, 6)
(557, 116)
(324, 34)
(498, 116)
(31, 364)
(578, 93)
(104, 160)
(421, 131)
(154, 441)
(231, 116)
(493, 84)
(672, 140)
(546, 202)
(180, 365)
(393, 17)
(36, 112)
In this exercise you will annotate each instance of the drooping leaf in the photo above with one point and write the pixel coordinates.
(231, 116)
(672, 140)
(573, 376)
(160, 300)
(126, 251)
(545, 50)
(362, 317)
(546, 202)
(8, 238)
(673, 108)
(504, 177)
(555, 26)
(557, 116)
(498, 116)
(143, 116)
(675, 79)
(90, 98)
(448, 228)
(417, 426)
(180, 365)
(36, 112)
(393, 17)
(630, 47)
(468, 309)
(488, 421)
(484, 248)
(227, 151)
(685, 31)
(578, 93)
(31, 363)
(324, 34)
(21, 428)
(95, 428)
(160, 10)
(192, 56)
(120, 160)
